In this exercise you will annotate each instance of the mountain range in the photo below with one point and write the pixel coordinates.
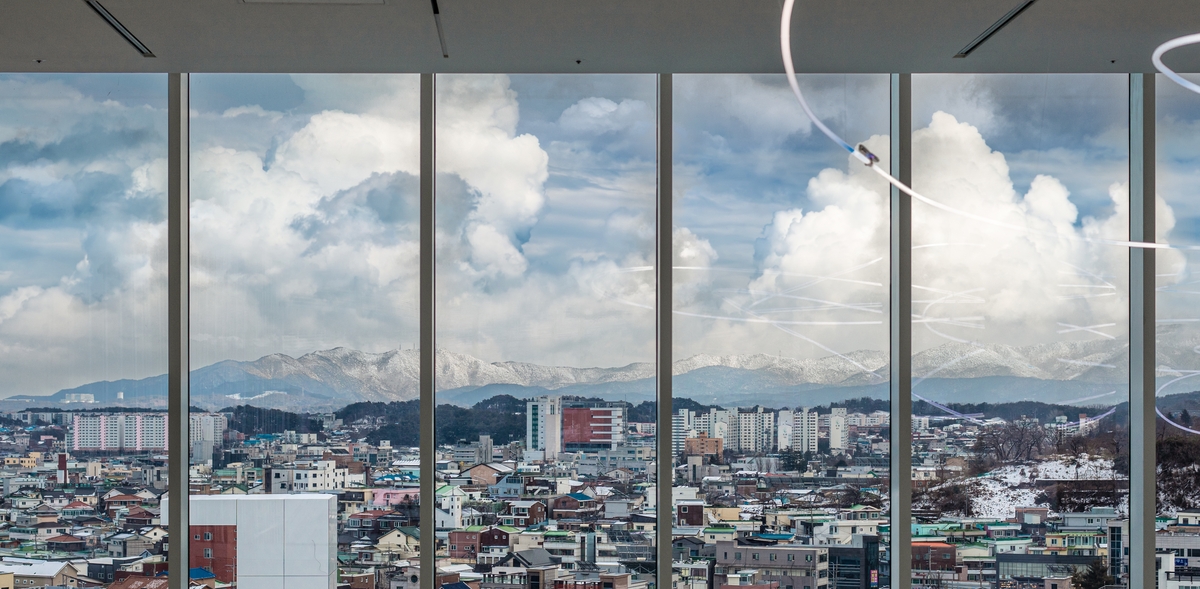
(1088, 372)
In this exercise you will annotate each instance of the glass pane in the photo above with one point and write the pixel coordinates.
(781, 333)
(83, 316)
(545, 328)
(1178, 323)
(1020, 335)
(304, 245)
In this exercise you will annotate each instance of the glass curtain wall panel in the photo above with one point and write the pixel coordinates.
(1020, 324)
(304, 324)
(1178, 322)
(781, 401)
(545, 328)
(83, 313)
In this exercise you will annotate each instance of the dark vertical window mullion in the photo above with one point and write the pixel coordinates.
(1143, 491)
(428, 437)
(664, 266)
(901, 333)
(178, 398)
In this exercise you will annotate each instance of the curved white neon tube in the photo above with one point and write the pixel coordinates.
(865, 156)
(1156, 58)
(1170, 73)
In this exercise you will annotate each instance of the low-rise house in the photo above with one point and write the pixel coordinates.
(523, 514)
(403, 542)
(127, 544)
(66, 543)
(574, 506)
(40, 573)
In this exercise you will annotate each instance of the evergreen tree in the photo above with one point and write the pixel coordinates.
(1093, 577)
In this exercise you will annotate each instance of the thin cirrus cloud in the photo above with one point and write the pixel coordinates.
(304, 219)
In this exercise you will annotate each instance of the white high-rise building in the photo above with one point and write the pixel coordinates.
(755, 430)
(681, 428)
(804, 430)
(783, 423)
(206, 432)
(207, 427)
(118, 431)
(543, 425)
(839, 433)
(717, 423)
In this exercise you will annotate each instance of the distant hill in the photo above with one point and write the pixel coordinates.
(1064, 373)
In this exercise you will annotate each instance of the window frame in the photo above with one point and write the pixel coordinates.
(1142, 121)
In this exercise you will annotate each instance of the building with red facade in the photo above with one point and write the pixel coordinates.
(592, 425)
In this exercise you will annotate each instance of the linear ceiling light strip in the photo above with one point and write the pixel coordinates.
(437, 20)
(120, 28)
(996, 26)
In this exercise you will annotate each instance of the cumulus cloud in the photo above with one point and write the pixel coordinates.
(82, 203)
(503, 172)
(821, 282)
(304, 227)
(546, 243)
(313, 243)
(597, 115)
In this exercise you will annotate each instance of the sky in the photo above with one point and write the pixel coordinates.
(1178, 154)
(304, 212)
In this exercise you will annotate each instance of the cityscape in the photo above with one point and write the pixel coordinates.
(560, 491)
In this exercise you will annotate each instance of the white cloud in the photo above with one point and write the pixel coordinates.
(601, 115)
(337, 150)
(303, 238)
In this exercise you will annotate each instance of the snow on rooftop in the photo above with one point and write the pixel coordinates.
(997, 494)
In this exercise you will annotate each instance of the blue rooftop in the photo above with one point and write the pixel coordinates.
(200, 573)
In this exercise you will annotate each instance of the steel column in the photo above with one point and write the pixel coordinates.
(664, 267)
(178, 398)
(428, 359)
(1142, 490)
(900, 314)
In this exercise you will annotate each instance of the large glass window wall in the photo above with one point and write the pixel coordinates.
(545, 326)
(304, 329)
(1177, 434)
(83, 324)
(303, 286)
(781, 400)
(1020, 319)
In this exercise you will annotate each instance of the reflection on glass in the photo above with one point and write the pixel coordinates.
(1020, 336)
(304, 245)
(781, 335)
(1178, 324)
(83, 322)
(545, 330)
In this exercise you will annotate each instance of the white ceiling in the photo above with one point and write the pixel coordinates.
(607, 35)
